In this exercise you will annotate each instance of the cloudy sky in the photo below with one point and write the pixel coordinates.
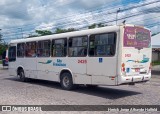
(26, 16)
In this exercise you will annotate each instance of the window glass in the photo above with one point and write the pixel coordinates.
(59, 47)
(12, 53)
(78, 46)
(20, 49)
(31, 49)
(102, 44)
(43, 49)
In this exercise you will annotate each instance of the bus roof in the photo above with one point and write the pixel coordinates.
(69, 34)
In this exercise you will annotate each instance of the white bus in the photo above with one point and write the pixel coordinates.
(112, 55)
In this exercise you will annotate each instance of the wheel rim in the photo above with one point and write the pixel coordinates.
(66, 81)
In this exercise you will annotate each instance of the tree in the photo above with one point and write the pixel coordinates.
(100, 25)
(43, 32)
(92, 26)
(96, 26)
(0, 37)
(30, 36)
(3, 47)
(58, 30)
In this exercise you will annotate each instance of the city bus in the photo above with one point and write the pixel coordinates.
(111, 56)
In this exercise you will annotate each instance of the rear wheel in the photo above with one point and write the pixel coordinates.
(66, 81)
(22, 75)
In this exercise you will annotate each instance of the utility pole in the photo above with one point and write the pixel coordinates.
(117, 15)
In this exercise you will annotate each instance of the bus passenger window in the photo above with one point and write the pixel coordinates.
(31, 49)
(43, 48)
(102, 44)
(12, 54)
(20, 50)
(59, 47)
(78, 46)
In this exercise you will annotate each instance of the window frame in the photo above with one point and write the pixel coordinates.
(78, 46)
(115, 45)
(38, 48)
(66, 46)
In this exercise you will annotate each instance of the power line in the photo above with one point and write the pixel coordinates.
(141, 12)
(108, 13)
(125, 17)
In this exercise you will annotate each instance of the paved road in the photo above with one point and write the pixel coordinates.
(38, 92)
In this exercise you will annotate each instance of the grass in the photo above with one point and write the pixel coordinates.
(154, 63)
(0, 61)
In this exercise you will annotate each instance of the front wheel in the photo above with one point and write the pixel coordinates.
(22, 76)
(66, 81)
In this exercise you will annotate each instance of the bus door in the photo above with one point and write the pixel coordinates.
(102, 61)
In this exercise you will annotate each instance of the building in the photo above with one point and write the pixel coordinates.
(155, 42)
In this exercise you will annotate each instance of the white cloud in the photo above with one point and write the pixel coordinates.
(48, 14)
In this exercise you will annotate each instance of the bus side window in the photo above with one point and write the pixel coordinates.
(12, 54)
(31, 49)
(102, 44)
(20, 50)
(59, 47)
(43, 48)
(78, 46)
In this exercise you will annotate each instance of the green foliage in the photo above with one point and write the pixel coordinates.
(30, 36)
(3, 47)
(43, 32)
(0, 37)
(100, 25)
(154, 63)
(58, 30)
(92, 26)
(96, 26)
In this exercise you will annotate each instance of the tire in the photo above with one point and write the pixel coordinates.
(66, 81)
(22, 76)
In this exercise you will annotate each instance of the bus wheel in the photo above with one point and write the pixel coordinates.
(66, 81)
(22, 76)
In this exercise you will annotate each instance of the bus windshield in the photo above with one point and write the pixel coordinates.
(137, 37)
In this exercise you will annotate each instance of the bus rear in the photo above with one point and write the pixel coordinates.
(136, 55)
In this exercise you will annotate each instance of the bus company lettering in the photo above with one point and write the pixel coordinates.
(59, 62)
(82, 61)
(131, 36)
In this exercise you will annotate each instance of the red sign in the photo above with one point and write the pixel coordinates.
(127, 55)
(82, 61)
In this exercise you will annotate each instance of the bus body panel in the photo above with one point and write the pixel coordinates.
(30, 67)
(46, 70)
(102, 69)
